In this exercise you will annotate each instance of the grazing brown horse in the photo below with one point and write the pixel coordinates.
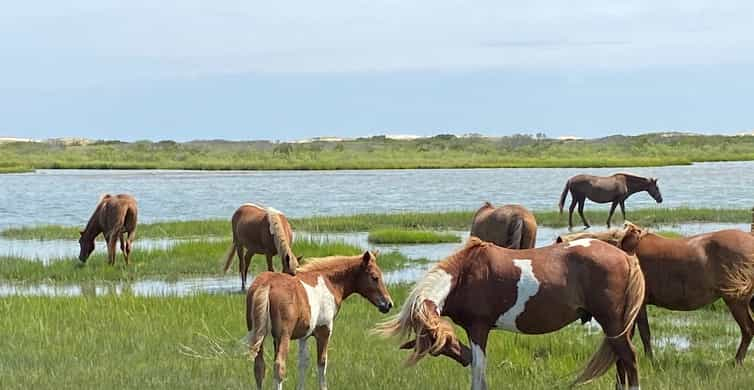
(603, 189)
(114, 217)
(263, 231)
(297, 307)
(533, 291)
(688, 273)
(510, 226)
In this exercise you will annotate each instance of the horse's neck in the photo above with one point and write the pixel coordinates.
(636, 184)
(343, 281)
(92, 227)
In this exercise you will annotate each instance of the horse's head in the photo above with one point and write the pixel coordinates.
(632, 234)
(435, 336)
(371, 285)
(87, 247)
(291, 262)
(654, 190)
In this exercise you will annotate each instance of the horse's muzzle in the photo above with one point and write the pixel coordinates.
(385, 306)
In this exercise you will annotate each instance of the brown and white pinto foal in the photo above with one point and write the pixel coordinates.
(688, 273)
(260, 230)
(534, 291)
(296, 307)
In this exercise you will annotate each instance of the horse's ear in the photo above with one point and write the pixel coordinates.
(299, 258)
(558, 239)
(654, 180)
(366, 257)
(81, 232)
(376, 253)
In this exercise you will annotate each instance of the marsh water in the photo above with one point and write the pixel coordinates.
(67, 197)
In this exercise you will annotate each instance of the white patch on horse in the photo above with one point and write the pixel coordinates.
(478, 365)
(585, 242)
(439, 289)
(527, 287)
(322, 305)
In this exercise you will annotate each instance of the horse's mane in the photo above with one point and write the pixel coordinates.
(632, 176)
(102, 197)
(328, 263)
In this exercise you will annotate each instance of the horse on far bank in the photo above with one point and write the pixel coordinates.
(260, 230)
(114, 217)
(298, 307)
(689, 273)
(510, 226)
(604, 189)
(534, 291)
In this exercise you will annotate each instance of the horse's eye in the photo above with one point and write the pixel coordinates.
(375, 278)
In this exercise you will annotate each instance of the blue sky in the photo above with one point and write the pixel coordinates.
(288, 70)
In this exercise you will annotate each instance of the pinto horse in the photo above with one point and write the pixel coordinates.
(688, 273)
(534, 291)
(260, 230)
(603, 189)
(509, 226)
(297, 307)
(114, 217)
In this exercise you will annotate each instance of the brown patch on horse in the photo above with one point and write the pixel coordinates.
(508, 226)
(114, 216)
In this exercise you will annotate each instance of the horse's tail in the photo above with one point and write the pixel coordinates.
(563, 195)
(605, 356)
(738, 279)
(517, 234)
(229, 256)
(258, 319)
(280, 238)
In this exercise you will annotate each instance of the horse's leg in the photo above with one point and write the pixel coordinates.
(581, 212)
(740, 310)
(269, 261)
(129, 241)
(303, 362)
(643, 322)
(626, 361)
(281, 354)
(620, 375)
(323, 338)
(112, 241)
(244, 267)
(610, 214)
(259, 368)
(570, 212)
(623, 209)
(478, 338)
(124, 246)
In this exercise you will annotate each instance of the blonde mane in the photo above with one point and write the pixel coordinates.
(319, 264)
(278, 233)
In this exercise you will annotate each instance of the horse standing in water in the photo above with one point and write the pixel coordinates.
(263, 231)
(509, 226)
(534, 291)
(603, 189)
(114, 217)
(688, 273)
(297, 307)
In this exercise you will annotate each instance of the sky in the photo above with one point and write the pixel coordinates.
(285, 70)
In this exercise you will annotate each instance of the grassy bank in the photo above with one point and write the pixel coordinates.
(442, 151)
(396, 236)
(445, 220)
(187, 259)
(130, 342)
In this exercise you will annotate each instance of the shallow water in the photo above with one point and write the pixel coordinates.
(66, 197)
(47, 251)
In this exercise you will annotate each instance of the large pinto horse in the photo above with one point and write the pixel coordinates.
(688, 273)
(297, 307)
(509, 226)
(534, 291)
(260, 230)
(114, 217)
(603, 189)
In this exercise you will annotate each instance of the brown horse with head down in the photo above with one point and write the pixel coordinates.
(297, 307)
(114, 217)
(510, 226)
(688, 273)
(534, 291)
(603, 189)
(260, 230)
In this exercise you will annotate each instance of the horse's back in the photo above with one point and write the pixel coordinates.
(497, 225)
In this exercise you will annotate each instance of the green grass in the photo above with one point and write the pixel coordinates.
(442, 151)
(446, 220)
(396, 236)
(186, 259)
(128, 342)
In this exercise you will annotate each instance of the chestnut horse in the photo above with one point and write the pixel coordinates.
(297, 307)
(114, 217)
(510, 226)
(688, 273)
(264, 231)
(603, 189)
(533, 291)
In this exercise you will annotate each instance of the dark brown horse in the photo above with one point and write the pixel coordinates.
(689, 273)
(298, 307)
(604, 189)
(510, 226)
(533, 291)
(114, 217)
(260, 230)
